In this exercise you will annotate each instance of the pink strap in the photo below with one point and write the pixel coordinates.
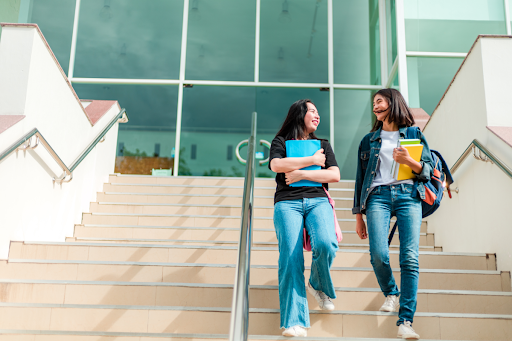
(339, 235)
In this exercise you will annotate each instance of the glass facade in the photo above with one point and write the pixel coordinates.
(254, 55)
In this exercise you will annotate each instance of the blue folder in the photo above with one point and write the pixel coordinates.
(303, 148)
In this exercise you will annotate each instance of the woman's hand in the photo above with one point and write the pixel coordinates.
(401, 155)
(294, 176)
(319, 158)
(361, 227)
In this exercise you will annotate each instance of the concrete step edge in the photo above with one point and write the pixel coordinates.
(196, 177)
(190, 205)
(197, 216)
(341, 250)
(251, 310)
(57, 261)
(345, 246)
(204, 195)
(256, 287)
(213, 186)
(188, 336)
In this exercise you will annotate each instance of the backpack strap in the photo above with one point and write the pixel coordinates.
(392, 233)
(446, 170)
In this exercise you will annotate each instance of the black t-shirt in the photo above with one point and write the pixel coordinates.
(285, 192)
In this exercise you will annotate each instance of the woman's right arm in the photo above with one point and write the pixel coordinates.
(289, 164)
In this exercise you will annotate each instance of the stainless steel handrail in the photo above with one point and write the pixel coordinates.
(239, 326)
(24, 143)
(491, 157)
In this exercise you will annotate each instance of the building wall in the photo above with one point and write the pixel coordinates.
(477, 218)
(32, 207)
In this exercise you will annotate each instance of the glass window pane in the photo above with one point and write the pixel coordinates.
(391, 32)
(215, 119)
(9, 12)
(356, 42)
(129, 39)
(293, 44)
(147, 140)
(220, 42)
(55, 19)
(428, 79)
(352, 120)
(272, 105)
(451, 25)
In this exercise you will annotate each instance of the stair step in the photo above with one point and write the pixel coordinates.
(202, 189)
(198, 242)
(57, 335)
(199, 199)
(195, 220)
(220, 295)
(169, 319)
(192, 209)
(207, 181)
(225, 274)
(226, 235)
(224, 255)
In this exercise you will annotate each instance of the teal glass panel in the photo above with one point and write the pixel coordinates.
(272, 105)
(55, 19)
(151, 130)
(293, 44)
(428, 79)
(451, 25)
(391, 32)
(129, 39)
(221, 40)
(352, 121)
(9, 12)
(215, 119)
(356, 42)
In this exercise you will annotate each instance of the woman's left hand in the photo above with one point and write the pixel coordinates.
(401, 155)
(293, 176)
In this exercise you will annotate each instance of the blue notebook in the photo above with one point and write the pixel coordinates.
(302, 148)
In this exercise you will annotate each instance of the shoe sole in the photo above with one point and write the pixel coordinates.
(410, 337)
(288, 335)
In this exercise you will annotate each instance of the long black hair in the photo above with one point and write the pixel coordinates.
(399, 111)
(293, 127)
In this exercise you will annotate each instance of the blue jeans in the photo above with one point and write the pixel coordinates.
(290, 217)
(383, 203)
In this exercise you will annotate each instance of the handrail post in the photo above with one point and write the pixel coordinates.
(239, 326)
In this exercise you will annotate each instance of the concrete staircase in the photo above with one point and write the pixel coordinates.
(155, 260)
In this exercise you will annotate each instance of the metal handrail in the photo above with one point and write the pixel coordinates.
(488, 154)
(24, 143)
(239, 326)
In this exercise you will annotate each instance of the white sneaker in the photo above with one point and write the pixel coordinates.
(323, 300)
(295, 331)
(405, 331)
(392, 303)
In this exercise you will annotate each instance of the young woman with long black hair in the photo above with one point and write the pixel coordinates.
(299, 207)
(379, 196)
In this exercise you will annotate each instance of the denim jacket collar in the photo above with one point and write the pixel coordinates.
(376, 134)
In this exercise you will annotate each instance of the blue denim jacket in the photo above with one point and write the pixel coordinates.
(368, 163)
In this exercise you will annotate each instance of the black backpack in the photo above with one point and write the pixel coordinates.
(434, 188)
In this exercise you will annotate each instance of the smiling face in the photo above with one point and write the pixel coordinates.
(311, 119)
(380, 107)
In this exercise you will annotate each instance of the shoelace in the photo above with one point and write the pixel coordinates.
(324, 297)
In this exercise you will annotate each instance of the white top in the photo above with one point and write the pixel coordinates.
(383, 176)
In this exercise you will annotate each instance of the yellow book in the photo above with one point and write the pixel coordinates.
(404, 172)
